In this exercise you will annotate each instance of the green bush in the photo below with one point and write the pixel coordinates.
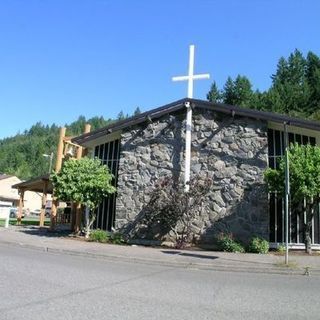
(281, 248)
(258, 245)
(99, 236)
(106, 237)
(228, 244)
(116, 238)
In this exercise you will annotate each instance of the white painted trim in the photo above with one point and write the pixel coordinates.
(294, 246)
(103, 139)
(297, 130)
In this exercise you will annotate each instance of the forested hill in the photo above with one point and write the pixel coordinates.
(22, 154)
(294, 90)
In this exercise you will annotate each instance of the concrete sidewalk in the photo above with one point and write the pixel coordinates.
(41, 239)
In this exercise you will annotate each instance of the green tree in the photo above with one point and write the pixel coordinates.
(304, 176)
(22, 154)
(214, 95)
(313, 78)
(121, 116)
(136, 111)
(238, 92)
(85, 181)
(290, 84)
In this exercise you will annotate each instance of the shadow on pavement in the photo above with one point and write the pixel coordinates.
(186, 254)
(45, 232)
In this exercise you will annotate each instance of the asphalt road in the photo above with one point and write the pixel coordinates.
(40, 285)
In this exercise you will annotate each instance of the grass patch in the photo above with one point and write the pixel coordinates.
(25, 222)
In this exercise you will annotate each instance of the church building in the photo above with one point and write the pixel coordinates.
(231, 145)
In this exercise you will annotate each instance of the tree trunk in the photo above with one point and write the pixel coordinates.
(307, 237)
(89, 218)
(307, 227)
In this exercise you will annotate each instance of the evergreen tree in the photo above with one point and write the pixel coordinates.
(121, 116)
(291, 85)
(136, 111)
(238, 92)
(214, 95)
(313, 78)
(229, 92)
(22, 155)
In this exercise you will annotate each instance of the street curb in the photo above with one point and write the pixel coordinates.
(196, 266)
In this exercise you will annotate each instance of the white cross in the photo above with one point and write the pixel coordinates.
(190, 78)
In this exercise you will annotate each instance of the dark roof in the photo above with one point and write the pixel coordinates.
(180, 104)
(35, 184)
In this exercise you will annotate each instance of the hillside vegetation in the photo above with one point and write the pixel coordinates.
(295, 90)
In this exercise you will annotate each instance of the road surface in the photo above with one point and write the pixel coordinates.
(40, 285)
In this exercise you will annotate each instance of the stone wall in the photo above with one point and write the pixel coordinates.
(230, 150)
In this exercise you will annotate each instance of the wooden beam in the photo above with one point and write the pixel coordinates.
(80, 150)
(60, 149)
(43, 204)
(53, 214)
(21, 204)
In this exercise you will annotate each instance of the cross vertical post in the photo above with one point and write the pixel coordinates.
(190, 78)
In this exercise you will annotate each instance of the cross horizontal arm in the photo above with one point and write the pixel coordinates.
(180, 78)
(201, 76)
(194, 77)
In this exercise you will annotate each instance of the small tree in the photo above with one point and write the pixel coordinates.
(85, 181)
(175, 209)
(304, 164)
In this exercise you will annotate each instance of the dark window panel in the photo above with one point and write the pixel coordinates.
(291, 138)
(270, 142)
(305, 140)
(96, 151)
(277, 142)
(312, 141)
(298, 138)
(272, 217)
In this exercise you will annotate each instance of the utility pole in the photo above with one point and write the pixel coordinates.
(287, 191)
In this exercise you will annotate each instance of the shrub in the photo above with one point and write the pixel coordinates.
(106, 237)
(99, 236)
(116, 238)
(175, 209)
(258, 245)
(281, 248)
(228, 244)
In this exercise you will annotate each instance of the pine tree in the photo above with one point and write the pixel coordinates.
(121, 115)
(313, 78)
(214, 95)
(136, 111)
(291, 85)
(229, 92)
(238, 92)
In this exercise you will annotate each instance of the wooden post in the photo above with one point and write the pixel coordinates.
(43, 204)
(78, 208)
(78, 218)
(21, 204)
(53, 216)
(80, 150)
(60, 149)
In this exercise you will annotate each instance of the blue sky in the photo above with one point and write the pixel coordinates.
(63, 58)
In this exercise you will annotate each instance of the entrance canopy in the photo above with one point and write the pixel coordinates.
(40, 184)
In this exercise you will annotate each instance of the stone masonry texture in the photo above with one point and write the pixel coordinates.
(230, 150)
